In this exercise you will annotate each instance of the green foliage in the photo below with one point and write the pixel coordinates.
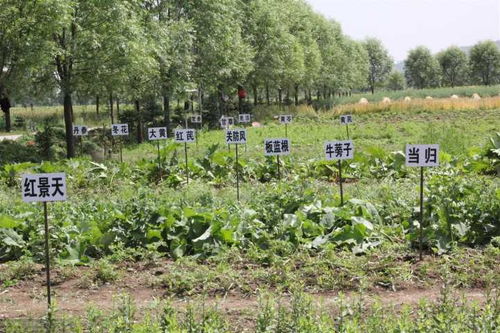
(422, 69)
(380, 62)
(485, 62)
(454, 66)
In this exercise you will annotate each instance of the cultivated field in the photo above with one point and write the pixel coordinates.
(136, 248)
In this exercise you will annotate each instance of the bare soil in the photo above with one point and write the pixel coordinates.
(27, 299)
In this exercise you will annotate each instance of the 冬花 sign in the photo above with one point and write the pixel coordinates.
(80, 130)
(244, 118)
(44, 187)
(422, 155)
(119, 129)
(157, 133)
(285, 118)
(339, 150)
(185, 135)
(236, 136)
(346, 119)
(276, 147)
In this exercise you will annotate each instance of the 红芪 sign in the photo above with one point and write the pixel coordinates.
(185, 135)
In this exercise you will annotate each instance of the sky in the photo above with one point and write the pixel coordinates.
(405, 24)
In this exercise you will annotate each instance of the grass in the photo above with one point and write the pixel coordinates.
(113, 201)
(275, 313)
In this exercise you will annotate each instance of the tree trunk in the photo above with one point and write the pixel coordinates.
(7, 120)
(166, 112)
(372, 87)
(68, 124)
(111, 113)
(280, 97)
(267, 95)
(97, 104)
(118, 106)
(140, 136)
(296, 95)
(255, 96)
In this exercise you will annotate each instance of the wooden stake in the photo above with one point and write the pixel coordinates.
(47, 260)
(340, 184)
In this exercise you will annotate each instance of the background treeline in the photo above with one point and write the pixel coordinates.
(144, 51)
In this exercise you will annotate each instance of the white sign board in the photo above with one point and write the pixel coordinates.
(244, 118)
(119, 129)
(80, 130)
(236, 136)
(339, 150)
(346, 119)
(196, 119)
(274, 147)
(226, 122)
(185, 135)
(44, 187)
(157, 133)
(422, 155)
(285, 118)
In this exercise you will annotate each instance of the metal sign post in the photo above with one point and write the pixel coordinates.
(120, 130)
(236, 137)
(346, 120)
(185, 136)
(277, 147)
(422, 156)
(339, 150)
(45, 188)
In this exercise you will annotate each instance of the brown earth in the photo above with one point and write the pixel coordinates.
(27, 299)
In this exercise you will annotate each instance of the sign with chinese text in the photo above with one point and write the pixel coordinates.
(339, 150)
(119, 129)
(80, 130)
(346, 119)
(236, 136)
(157, 133)
(44, 187)
(274, 147)
(422, 155)
(285, 118)
(196, 119)
(185, 135)
(244, 118)
(226, 122)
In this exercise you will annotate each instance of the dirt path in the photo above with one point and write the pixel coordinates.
(9, 137)
(28, 300)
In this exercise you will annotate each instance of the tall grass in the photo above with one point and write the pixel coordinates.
(468, 91)
(445, 104)
(298, 313)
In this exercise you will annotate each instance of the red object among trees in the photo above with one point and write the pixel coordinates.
(242, 93)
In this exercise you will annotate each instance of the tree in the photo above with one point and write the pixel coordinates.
(454, 66)
(485, 62)
(395, 81)
(422, 69)
(380, 63)
(85, 26)
(26, 26)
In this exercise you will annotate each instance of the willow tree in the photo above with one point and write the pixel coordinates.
(81, 46)
(222, 56)
(24, 48)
